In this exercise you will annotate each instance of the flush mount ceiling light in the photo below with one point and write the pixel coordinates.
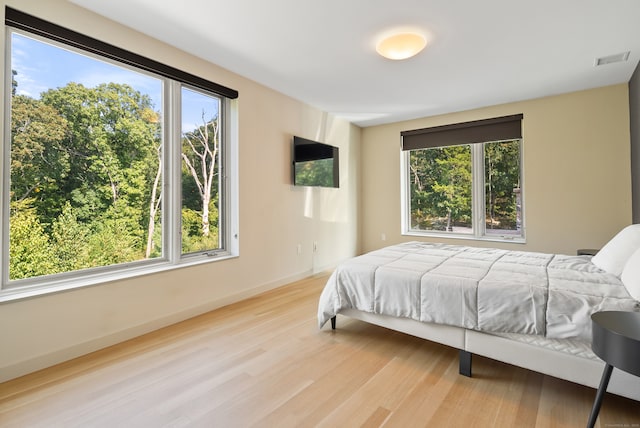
(401, 45)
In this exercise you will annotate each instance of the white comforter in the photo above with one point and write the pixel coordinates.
(483, 289)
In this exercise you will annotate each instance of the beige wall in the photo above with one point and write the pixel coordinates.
(577, 184)
(274, 218)
(576, 171)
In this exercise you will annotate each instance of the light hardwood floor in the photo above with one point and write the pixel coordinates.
(264, 363)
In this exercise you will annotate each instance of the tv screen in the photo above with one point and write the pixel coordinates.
(315, 164)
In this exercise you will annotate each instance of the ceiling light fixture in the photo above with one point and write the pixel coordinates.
(401, 45)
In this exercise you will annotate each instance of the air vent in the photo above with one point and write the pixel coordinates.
(612, 58)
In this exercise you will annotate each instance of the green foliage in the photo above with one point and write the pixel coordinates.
(69, 239)
(38, 159)
(14, 82)
(110, 243)
(441, 186)
(192, 238)
(111, 142)
(30, 253)
(200, 174)
(502, 176)
(191, 194)
(84, 163)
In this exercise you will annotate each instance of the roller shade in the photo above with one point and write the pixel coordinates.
(31, 24)
(477, 131)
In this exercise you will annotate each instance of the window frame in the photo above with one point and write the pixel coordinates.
(172, 82)
(478, 199)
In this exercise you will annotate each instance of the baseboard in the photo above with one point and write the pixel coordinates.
(59, 356)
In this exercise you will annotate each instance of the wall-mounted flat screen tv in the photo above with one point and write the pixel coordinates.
(315, 164)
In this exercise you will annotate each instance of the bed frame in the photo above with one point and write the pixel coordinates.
(581, 370)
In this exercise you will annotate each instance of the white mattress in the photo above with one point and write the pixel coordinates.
(575, 347)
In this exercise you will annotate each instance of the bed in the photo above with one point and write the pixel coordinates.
(523, 308)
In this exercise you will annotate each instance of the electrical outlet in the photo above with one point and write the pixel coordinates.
(299, 249)
(315, 246)
(383, 236)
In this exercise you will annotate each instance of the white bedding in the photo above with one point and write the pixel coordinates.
(482, 289)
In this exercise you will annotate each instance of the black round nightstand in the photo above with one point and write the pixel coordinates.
(616, 339)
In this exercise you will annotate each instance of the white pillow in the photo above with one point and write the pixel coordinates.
(631, 275)
(614, 255)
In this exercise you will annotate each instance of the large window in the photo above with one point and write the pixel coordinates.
(464, 180)
(201, 191)
(113, 163)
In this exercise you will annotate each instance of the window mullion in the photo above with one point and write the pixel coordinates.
(222, 179)
(5, 164)
(230, 225)
(172, 223)
(477, 183)
(405, 191)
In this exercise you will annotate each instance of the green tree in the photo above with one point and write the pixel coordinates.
(14, 82)
(30, 252)
(88, 161)
(441, 187)
(502, 176)
(200, 149)
(155, 199)
(452, 190)
(192, 239)
(39, 161)
(69, 241)
(111, 242)
(113, 145)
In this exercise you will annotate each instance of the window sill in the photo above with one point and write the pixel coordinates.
(22, 292)
(468, 237)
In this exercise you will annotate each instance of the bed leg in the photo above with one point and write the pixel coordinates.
(333, 323)
(465, 363)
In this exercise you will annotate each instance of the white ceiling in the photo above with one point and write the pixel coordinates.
(479, 53)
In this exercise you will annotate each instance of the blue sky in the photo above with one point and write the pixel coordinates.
(42, 66)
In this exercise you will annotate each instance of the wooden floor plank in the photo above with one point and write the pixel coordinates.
(263, 362)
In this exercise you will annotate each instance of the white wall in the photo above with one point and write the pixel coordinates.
(274, 218)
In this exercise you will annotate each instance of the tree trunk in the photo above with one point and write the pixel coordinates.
(153, 207)
(205, 213)
(207, 158)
